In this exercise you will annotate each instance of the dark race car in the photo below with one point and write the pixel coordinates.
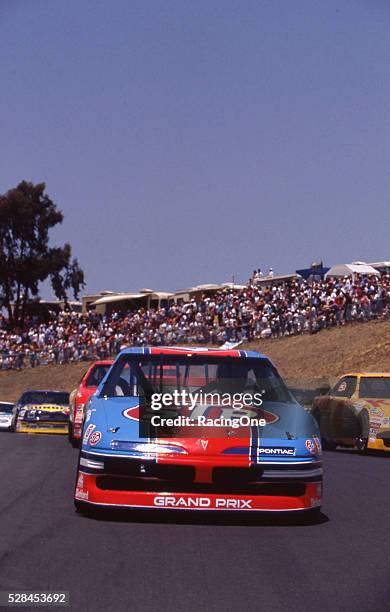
(43, 412)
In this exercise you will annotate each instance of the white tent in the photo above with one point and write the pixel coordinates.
(352, 269)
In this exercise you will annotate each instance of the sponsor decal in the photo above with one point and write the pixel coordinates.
(276, 450)
(81, 494)
(317, 442)
(47, 408)
(202, 502)
(88, 415)
(311, 447)
(375, 421)
(377, 411)
(204, 444)
(132, 413)
(88, 432)
(95, 438)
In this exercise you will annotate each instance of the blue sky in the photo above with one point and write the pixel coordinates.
(187, 141)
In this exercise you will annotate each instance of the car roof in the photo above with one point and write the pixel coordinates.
(190, 350)
(102, 362)
(43, 391)
(367, 374)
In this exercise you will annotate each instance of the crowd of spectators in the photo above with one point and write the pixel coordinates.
(259, 311)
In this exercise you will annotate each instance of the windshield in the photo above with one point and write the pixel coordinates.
(45, 415)
(205, 376)
(6, 408)
(375, 387)
(96, 375)
(200, 396)
(44, 397)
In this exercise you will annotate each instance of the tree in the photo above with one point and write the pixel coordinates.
(26, 259)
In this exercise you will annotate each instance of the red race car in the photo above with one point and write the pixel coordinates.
(79, 397)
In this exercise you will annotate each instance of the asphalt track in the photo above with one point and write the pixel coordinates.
(181, 561)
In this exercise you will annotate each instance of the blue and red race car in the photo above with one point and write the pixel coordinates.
(197, 429)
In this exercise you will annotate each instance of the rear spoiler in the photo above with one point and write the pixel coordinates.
(228, 346)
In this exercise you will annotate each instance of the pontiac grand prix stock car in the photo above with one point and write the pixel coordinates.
(79, 396)
(356, 412)
(43, 412)
(198, 429)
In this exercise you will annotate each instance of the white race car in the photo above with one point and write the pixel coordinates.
(7, 416)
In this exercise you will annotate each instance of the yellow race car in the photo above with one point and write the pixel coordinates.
(43, 412)
(356, 412)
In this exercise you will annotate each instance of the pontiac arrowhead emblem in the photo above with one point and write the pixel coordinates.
(204, 443)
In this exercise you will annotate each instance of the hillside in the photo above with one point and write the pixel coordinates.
(331, 353)
(304, 361)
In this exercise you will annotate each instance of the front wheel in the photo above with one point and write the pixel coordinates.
(81, 507)
(328, 444)
(361, 443)
(73, 441)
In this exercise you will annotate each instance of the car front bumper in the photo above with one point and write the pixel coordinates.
(42, 428)
(278, 488)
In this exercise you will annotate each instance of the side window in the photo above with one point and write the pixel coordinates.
(375, 387)
(345, 387)
(96, 376)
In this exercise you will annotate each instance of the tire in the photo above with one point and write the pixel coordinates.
(361, 444)
(317, 417)
(81, 507)
(361, 441)
(328, 445)
(313, 515)
(73, 441)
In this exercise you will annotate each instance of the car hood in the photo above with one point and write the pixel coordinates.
(116, 421)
